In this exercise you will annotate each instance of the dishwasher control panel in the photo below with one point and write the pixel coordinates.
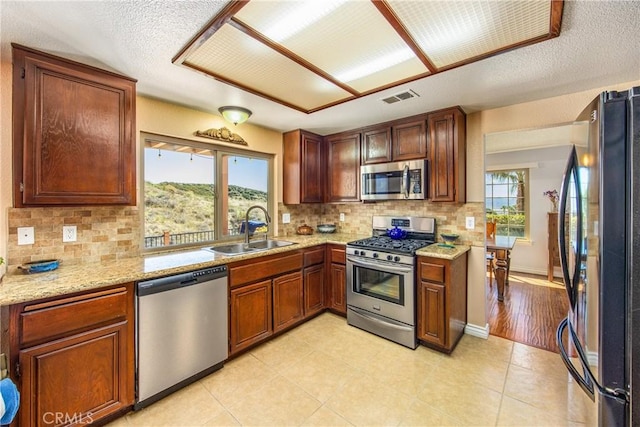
(162, 284)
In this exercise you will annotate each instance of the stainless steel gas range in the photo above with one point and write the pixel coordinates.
(381, 277)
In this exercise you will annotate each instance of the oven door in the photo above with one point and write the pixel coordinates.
(383, 288)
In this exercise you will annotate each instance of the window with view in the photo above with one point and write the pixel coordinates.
(196, 193)
(506, 201)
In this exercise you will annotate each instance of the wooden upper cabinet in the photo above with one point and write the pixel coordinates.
(400, 140)
(409, 140)
(343, 161)
(73, 133)
(447, 155)
(303, 170)
(376, 146)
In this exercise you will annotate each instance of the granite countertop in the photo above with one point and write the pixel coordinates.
(438, 251)
(18, 287)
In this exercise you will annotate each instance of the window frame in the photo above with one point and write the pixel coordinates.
(219, 151)
(526, 198)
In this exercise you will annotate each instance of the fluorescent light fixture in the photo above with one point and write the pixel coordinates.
(303, 15)
(235, 115)
(378, 64)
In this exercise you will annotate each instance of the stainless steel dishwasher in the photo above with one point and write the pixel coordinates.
(181, 331)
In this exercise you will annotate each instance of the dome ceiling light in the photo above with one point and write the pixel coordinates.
(235, 115)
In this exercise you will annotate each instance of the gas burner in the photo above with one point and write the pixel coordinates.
(405, 246)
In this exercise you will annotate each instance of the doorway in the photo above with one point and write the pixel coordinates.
(533, 306)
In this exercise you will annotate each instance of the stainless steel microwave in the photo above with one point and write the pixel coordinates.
(397, 180)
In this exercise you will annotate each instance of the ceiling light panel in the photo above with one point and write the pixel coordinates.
(450, 32)
(241, 60)
(349, 40)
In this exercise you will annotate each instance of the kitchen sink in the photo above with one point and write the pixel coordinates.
(241, 248)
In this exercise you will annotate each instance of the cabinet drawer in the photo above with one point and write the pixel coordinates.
(254, 271)
(314, 256)
(338, 255)
(69, 315)
(431, 272)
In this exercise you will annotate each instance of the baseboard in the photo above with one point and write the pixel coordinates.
(537, 272)
(592, 358)
(477, 331)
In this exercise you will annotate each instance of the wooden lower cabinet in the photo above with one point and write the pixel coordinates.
(287, 300)
(442, 301)
(337, 279)
(251, 314)
(72, 357)
(80, 379)
(314, 289)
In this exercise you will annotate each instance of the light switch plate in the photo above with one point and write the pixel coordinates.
(470, 223)
(26, 236)
(69, 233)
(286, 218)
(341, 216)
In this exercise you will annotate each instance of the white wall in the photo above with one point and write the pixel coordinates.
(530, 256)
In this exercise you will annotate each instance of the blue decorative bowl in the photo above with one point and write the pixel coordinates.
(396, 233)
(40, 266)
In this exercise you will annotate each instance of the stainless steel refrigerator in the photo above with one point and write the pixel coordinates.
(599, 250)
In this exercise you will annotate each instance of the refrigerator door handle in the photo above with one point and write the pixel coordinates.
(587, 381)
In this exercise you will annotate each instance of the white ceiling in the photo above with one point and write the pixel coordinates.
(598, 46)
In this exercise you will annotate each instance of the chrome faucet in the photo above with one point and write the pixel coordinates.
(246, 221)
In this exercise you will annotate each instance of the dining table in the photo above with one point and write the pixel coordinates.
(501, 247)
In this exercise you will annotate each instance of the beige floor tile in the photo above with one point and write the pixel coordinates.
(365, 402)
(223, 420)
(493, 348)
(490, 373)
(191, 406)
(423, 414)
(462, 398)
(537, 359)
(519, 414)
(120, 422)
(237, 378)
(279, 403)
(281, 352)
(319, 374)
(539, 389)
(324, 417)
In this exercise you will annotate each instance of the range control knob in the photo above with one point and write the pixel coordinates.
(363, 253)
(356, 252)
(396, 258)
(375, 254)
(389, 257)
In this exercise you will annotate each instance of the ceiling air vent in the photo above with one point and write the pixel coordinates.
(400, 97)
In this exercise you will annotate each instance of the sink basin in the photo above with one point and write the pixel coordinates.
(241, 248)
(269, 244)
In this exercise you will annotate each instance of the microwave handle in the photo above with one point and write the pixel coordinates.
(404, 188)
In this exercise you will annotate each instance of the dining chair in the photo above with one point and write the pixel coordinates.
(490, 256)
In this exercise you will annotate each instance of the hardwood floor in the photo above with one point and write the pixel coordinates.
(531, 311)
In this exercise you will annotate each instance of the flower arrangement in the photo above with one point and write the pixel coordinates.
(553, 197)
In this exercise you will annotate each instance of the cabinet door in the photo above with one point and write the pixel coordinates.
(312, 169)
(338, 290)
(410, 141)
(82, 378)
(431, 313)
(313, 289)
(343, 161)
(287, 300)
(251, 315)
(447, 151)
(73, 133)
(376, 146)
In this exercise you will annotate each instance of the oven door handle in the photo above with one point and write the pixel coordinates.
(373, 319)
(380, 266)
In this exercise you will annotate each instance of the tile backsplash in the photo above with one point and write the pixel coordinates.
(112, 233)
(103, 233)
(450, 217)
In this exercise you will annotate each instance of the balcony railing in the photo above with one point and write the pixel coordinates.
(168, 239)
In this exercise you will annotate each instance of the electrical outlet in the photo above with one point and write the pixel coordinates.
(470, 223)
(341, 216)
(26, 236)
(286, 218)
(69, 233)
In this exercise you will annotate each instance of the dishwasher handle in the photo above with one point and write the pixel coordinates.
(164, 284)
